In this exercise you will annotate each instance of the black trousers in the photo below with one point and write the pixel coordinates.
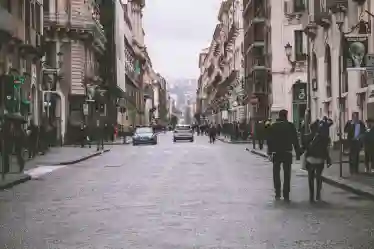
(354, 156)
(282, 159)
(212, 138)
(369, 159)
(315, 175)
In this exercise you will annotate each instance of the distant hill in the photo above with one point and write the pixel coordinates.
(184, 89)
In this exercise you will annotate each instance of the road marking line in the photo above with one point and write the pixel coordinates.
(42, 170)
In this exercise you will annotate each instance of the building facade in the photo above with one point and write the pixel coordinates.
(21, 31)
(74, 39)
(257, 56)
(289, 59)
(352, 85)
(220, 93)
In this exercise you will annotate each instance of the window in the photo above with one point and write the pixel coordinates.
(299, 5)
(299, 45)
(33, 16)
(21, 6)
(8, 5)
(38, 16)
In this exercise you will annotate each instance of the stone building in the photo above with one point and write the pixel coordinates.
(257, 56)
(220, 92)
(21, 31)
(326, 46)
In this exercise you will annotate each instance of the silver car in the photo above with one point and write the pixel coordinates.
(183, 132)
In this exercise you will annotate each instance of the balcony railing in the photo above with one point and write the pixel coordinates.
(258, 61)
(78, 21)
(233, 33)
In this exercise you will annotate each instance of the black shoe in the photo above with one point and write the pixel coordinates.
(277, 197)
(286, 198)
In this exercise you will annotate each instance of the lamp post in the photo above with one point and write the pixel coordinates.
(340, 13)
(288, 50)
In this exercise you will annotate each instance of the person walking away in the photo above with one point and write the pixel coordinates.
(282, 140)
(369, 146)
(316, 151)
(212, 133)
(355, 130)
(19, 139)
(5, 147)
(32, 137)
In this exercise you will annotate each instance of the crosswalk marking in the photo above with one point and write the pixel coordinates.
(42, 170)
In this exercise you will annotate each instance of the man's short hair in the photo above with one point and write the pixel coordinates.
(283, 113)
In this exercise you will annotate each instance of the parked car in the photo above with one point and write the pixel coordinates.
(183, 132)
(144, 135)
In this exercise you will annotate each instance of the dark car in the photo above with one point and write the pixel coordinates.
(144, 135)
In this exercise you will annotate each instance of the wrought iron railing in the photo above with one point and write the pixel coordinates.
(76, 20)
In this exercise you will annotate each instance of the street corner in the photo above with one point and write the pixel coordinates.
(12, 180)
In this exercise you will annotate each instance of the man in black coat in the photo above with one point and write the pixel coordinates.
(355, 130)
(282, 140)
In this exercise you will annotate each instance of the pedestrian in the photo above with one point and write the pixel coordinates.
(212, 133)
(355, 130)
(32, 137)
(369, 146)
(315, 146)
(282, 141)
(18, 140)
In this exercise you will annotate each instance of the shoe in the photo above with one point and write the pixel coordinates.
(286, 198)
(277, 197)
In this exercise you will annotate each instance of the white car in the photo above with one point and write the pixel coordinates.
(183, 132)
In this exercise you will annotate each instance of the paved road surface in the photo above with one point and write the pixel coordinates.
(171, 196)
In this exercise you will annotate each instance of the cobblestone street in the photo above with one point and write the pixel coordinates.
(178, 195)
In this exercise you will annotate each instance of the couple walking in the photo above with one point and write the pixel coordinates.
(283, 139)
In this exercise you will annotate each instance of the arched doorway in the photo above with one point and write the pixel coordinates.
(299, 102)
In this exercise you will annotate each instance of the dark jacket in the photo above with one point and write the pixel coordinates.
(350, 130)
(316, 145)
(283, 137)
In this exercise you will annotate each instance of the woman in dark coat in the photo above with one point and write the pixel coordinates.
(316, 148)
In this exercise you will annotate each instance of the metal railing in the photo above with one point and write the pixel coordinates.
(76, 20)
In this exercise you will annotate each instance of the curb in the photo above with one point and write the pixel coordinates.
(83, 158)
(262, 154)
(233, 142)
(22, 179)
(342, 184)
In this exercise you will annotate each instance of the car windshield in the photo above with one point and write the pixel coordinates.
(144, 130)
(183, 128)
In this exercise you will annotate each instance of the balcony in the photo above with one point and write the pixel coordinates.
(321, 15)
(255, 36)
(211, 69)
(233, 33)
(216, 49)
(84, 25)
(332, 4)
(11, 25)
(259, 63)
(259, 15)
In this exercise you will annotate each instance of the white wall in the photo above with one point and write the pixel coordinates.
(283, 79)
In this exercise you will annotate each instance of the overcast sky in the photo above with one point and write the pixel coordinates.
(176, 31)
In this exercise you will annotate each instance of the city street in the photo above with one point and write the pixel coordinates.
(177, 196)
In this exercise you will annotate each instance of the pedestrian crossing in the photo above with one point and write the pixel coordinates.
(42, 170)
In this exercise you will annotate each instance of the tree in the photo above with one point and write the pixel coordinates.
(173, 121)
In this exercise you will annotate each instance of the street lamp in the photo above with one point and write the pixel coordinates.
(340, 14)
(288, 50)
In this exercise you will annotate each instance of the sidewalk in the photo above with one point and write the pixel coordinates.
(55, 156)
(361, 184)
(229, 141)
